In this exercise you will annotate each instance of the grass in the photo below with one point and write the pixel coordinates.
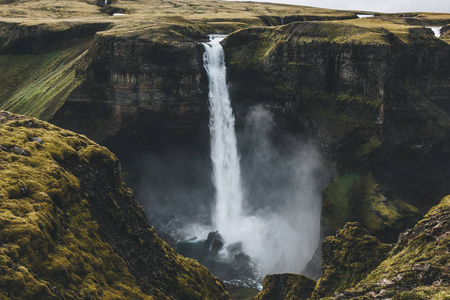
(37, 85)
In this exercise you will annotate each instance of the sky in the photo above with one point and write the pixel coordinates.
(375, 5)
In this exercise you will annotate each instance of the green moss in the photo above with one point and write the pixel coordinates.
(37, 85)
(347, 259)
(48, 223)
(420, 261)
(336, 210)
(356, 197)
(367, 148)
(52, 245)
(286, 287)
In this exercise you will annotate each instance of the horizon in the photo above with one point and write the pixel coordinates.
(382, 6)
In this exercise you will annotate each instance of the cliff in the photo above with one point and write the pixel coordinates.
(369, 89)
(373, 92)
(70, 228)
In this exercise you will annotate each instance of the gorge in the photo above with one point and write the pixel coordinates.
(337, 129)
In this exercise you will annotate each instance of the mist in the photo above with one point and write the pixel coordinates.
(175, 189)
(283, 176)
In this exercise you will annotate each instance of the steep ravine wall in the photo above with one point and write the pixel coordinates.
(393, 89)
(377, 101)
(140, 89)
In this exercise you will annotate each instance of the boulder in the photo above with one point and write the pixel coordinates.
(214, 242)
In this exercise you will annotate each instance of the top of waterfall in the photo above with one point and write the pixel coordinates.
(216, 37)
(436, 30)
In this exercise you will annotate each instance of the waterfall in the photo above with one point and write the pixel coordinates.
(224, 156)
(436, 30)
(281, 231)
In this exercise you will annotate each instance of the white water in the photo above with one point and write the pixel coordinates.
(436, 30)
(282, 236)
(365, 16)
(226, 169)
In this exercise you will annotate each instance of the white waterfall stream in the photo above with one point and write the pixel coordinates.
(281, 232)
(224, 156)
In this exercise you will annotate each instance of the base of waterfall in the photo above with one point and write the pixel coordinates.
(230, 263)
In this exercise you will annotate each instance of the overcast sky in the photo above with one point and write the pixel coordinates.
(375, 5)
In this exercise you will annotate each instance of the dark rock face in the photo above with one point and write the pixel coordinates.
(136, 84)
(364, 102)
(286, 287)
(144, 96)
(37, 39)
(377, 105)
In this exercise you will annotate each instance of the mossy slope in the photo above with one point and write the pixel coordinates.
(418, 267)
(347, 259)
(37, 85)
(357, 197)
(286, 287)
(53, 219)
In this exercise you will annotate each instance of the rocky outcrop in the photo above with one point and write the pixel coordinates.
(286, 287)
(348, 258)
(418, 266)
(70, 228)
(358, 266)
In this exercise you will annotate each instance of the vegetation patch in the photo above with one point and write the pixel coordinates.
(37, 85)
(51, 246)
(348, 258)
(418, 267)
(357, 197)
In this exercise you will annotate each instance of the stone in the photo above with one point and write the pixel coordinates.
(214, 242)
(20, 151)
(37, 140)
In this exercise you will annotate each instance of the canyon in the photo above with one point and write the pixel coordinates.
(368, 99)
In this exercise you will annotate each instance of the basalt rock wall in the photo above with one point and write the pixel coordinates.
(376, 100)
(369, 95)
(136, 83)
